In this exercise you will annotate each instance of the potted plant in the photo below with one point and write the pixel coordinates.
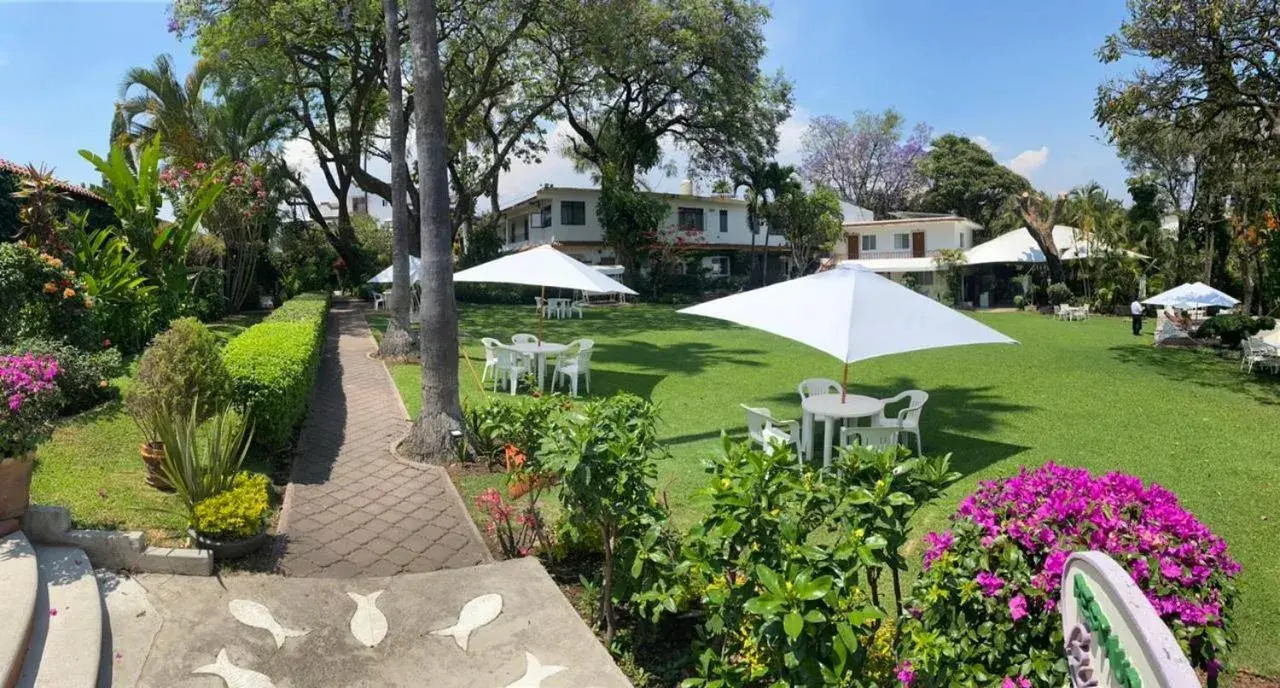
(145, 415)
(28, 402)
(221, 503)
(233, 524)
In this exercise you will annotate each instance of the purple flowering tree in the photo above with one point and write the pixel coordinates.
(871, 160)
(999, 569)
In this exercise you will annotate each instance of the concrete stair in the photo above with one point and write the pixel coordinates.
(54, 596)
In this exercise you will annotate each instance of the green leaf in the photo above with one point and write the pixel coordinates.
(793, 624)
(765, 606)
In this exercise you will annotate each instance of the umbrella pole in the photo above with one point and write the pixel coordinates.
(844, 382)
(540, 311)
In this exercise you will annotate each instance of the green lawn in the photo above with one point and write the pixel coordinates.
(92, 465)
(1080, 393)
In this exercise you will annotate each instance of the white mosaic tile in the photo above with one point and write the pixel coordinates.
(534, 673)
(477, 612)
(368, 624)
(234, 676)
(256, 615)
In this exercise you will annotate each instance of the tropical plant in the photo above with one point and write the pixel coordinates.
(950, 262)
(237, 513)
(121, 297)
(41, 199)
(29, 390)
(603, 454)
(763, 181)
(42, 298)
(999, 569)
(200, 467)
(517, 527)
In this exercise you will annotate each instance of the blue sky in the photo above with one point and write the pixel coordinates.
(1022, 75)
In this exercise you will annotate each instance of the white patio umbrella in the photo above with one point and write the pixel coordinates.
(852, 314)
(415, 272)
(1192, 295)
(543, 267)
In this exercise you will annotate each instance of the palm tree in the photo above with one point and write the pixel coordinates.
(398, 341)
(762, 179)
(434, 433)
(162, 104)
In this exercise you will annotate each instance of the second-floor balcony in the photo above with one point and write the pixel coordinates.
(894, 253)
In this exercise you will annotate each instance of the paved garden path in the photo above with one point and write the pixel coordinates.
(351, 508)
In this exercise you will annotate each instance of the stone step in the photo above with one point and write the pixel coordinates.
(66, 640)
(19, 583)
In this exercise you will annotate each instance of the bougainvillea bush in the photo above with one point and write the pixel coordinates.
(985, 606)
(28, 401)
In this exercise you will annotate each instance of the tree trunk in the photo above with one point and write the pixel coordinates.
(398, 342)
(438, 427)
(753, 223)
(1040, 227)
(606, 586)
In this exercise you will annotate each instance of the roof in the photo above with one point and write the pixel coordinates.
(894, 264)
(1018, 247)
(873, 224)
(540, 194)
(65, 187)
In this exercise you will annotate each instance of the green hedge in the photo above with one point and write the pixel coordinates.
(273, 366)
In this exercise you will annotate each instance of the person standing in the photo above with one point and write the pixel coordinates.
(1135, 309)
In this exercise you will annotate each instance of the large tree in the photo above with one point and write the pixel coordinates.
(398, 340)
(871, 161)
(963, 178)
(644, 72)
(810, 222)
(1040, 215)
(433, 435)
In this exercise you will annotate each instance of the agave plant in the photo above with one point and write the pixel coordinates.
(196, 467)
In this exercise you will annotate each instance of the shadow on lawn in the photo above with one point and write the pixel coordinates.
(1211, 367)
(500, 322)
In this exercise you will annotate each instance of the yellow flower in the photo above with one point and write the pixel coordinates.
(724, 483)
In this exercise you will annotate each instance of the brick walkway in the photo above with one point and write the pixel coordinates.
(351, 509)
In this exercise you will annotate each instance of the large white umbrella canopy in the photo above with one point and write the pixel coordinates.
(543, 267)
(1192, 295)
(415, 272)
(1018, 247)
(852, 314)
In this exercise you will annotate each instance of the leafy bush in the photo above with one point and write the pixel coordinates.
(1019, 301)
(1059, 293)
(1233, 328)
(42, 298)
(235, 514)
(29, 398)
(983, 608)
(83, 377)
(304, 258)
(273, 366)
(494, 424)
(199, 464)
(182, 364)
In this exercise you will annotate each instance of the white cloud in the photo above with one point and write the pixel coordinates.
(1028, 161)
(791, 136)
(985, 143)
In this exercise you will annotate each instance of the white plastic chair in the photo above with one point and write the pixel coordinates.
(491, 346)
(576, 307)
(378, 300)
(813, 386)
(1254, 351)
(871, 438)
(769, 432)
(540, 304)
(523, 338)
(572, 363)
(907, 421)
(510, 366)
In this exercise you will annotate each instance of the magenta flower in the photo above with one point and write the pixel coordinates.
(1020, 682)
(906, 675)
(991, 583)
(937, 545)
(1018, 607)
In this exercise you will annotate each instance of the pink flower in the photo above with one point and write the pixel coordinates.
(991, 583)
(1018, 607)
(1020, 682)
(938, 544)
(906, 675)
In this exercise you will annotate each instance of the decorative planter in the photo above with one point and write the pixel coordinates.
(153, 456)
(15, 486)
(230, 549)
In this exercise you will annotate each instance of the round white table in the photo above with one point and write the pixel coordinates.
(830, 407)
(539, 351)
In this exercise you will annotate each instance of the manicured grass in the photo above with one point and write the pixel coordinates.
(92, 464)
(1080, 393)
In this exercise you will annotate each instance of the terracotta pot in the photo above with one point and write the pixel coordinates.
(153, 456)
(15, 485)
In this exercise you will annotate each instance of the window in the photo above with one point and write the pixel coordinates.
(902, 242)
(573, 212)
(544, 215)
(868, 242)
(926, 278)
(724, 221)
(961, 239)
(526, 227)
(718, 265)
(690, 219)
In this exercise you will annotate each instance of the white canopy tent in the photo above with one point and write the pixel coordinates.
(1192, 295)
(851, 313)
(894, 264)
(1018, 247)
(415, 273)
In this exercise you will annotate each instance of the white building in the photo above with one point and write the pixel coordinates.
(905, 245)
(566, 216)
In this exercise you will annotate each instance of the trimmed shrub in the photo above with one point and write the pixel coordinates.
(273, 366)
(1059, 293)
(984, 606)
(181, 365)
(1233, 328)
(236, 514)
(83, 377)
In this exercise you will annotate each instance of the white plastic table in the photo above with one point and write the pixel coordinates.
(829, 406)
(539, 351)
(559, 306)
